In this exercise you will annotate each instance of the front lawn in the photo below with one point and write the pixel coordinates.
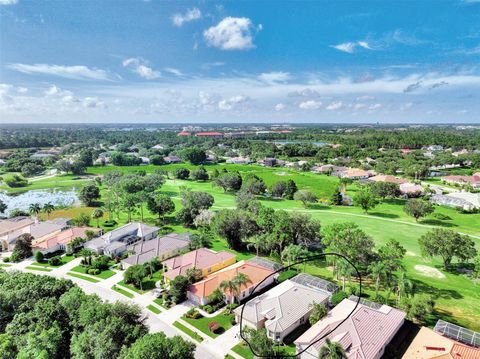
(153, 309)
(224, 320)
(244, 351)
(5, 265)
(84, 277)
(188, 331)
(64, 260)
(104, 274)
(122, 291)
(147, 284)
(41, 269)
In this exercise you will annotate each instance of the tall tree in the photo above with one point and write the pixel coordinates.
(35, 209)
(48, 208)
(448, 245)
(365, 199)
(418, 208)
(96, 215)
(331, 350)
(89, 194)
(161, 204)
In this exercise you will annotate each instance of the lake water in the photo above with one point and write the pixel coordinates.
(22, 201)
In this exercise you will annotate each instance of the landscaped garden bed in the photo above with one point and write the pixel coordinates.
(213, 326)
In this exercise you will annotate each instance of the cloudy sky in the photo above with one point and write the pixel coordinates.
(249, 61)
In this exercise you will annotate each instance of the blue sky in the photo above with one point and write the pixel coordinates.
(239, 61)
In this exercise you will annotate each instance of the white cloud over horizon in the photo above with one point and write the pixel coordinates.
(76, 72)
(139, 66)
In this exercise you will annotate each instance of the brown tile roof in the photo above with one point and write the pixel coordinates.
(429, 344)
(363, 334)
(9, 225)
(65, 237)
(388, 178)
(200, 258)
(255, 272)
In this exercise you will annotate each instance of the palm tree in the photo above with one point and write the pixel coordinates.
(292, 253)
(48, 208)
(86, 254)
(258, 242)
(97, 214)
(378, 271)
(231, 286)
(331, 350)
(404, 286)
(35, 209)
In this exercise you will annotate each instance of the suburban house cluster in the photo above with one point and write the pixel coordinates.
(48, 236)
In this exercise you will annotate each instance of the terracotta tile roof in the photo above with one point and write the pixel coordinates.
(200, 258)
(255, 272)
(429, 344)
(388, 178)
(65, 237)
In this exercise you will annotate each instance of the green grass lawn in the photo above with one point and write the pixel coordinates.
(202, 323)
(159, 301)
(147, 285)
(57, 182)
(124, 292)
(5, 265)
(84, 277)
(188, 331)
(38, 268)
(65, 260)
(103, 274)
(153, 309)
(244, 351)
(457, 297)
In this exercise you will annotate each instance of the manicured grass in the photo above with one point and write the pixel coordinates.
(65, 260)
(58, 182)
(159, 301)
(93, 280)
(244, 351)
(202, 323)
(103, 274)
(5, 265)
(147, 285)
(154, 309)
(188, 331)
(124, 292)
(41, 269)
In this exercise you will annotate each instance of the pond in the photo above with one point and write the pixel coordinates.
(286, 142)
(22, 201)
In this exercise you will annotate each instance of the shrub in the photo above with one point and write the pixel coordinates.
(233, 321)
(193, 314)
(213, 327)
(55, 261)
(338, 297)
(93, 271)
(39, 256)
(208, 309)
(16, 181)
(109, 223)
(6, 259)
(15, 257)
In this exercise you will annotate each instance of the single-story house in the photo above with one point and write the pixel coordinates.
(11, 228)
(199, 292)
(160, 247)
(116, 241)
(411, 189)
(60, 240)
(204, 259)
(364, 334)
(428, 344)
(353, 173)
(239, 160)
(388, 178)
(172, 159)
(40, 231)
(473, 180)
(287, 306)
(327, 169)
(462, 200)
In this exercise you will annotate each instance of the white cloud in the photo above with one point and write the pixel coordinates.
(8, 2)
(365, 98)
(273, 77)
(139, 66)
(209, 65)
(232, 102)
(350, 47)
(22, 90)
(191, 14)
(93, 102)
(280, 107)
(375, 106)
(173, 71)
(335, 105)
(78, 72)
(232, 33)
(310, 105)
(359, 106)
(406, 106)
